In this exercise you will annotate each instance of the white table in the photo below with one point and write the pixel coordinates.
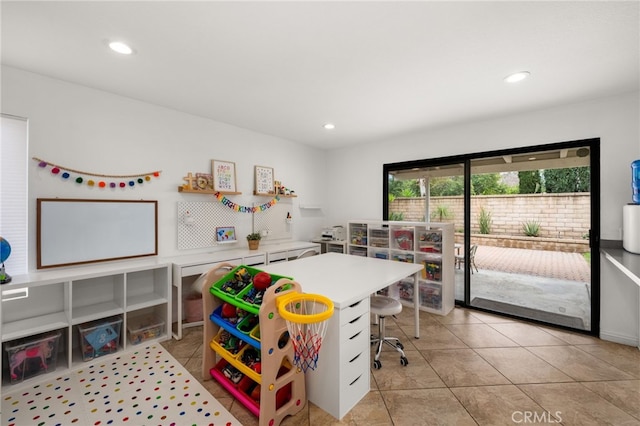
(342, 376)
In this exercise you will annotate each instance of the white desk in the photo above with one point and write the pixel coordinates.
(343, 373)
(187, 268)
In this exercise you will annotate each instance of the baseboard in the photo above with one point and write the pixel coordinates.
(619, 338)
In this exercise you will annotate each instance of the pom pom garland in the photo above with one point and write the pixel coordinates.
(137, 179)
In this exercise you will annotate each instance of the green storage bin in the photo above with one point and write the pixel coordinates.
(236, 288)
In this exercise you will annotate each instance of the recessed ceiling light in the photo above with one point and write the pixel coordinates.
(329, 126)
(531, 158)
(518, 76)
(120, 47)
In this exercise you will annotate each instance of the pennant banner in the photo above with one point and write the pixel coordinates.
(245, 209)
(101, 181)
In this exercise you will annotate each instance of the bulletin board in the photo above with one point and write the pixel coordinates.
(74, 231)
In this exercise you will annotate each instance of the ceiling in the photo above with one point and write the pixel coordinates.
(375, 69)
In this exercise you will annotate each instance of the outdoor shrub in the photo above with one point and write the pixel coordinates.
(396, 216)
(484, 221)
(531, 228)
(441, 212)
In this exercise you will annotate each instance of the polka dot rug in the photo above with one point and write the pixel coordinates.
(144, 387)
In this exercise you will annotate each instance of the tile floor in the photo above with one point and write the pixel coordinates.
(473, 368)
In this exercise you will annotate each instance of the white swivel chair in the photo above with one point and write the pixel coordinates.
(383, 306)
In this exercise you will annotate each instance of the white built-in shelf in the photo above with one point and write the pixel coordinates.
(61, 300)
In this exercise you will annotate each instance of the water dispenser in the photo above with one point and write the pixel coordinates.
(631, 214)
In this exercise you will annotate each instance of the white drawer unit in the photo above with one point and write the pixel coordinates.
(65, 300)
(343, 359)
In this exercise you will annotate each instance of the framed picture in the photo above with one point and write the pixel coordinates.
(226, 234)
(264, 180)
(204, 181)
(224, 175)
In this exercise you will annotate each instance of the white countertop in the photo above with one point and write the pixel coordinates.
(343, 278)
(627, 262)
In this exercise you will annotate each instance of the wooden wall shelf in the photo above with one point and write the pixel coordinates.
(206, 191)
(261, 194)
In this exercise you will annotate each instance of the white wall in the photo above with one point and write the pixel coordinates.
(94, 131)
(355, 173)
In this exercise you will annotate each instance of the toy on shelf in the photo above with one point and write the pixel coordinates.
(40, 351)
(403, 239)
(283, 190)
(99, 338)
(431, 271)
(241, 278)
(190, 179)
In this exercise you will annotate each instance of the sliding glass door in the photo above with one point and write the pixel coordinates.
(525, 220)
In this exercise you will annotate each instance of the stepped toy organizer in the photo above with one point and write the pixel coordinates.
(252, 356)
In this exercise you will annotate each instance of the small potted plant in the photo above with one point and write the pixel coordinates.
(254, 240)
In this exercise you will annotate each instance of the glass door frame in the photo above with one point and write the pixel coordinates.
(594, 235)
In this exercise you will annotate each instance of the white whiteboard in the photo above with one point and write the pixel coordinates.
(72, 232)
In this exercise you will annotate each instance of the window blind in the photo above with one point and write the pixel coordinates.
(14, 136)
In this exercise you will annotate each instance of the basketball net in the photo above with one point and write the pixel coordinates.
(306, 316)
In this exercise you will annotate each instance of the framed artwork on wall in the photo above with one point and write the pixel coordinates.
(264, 180)
(225, 234)
(224, 175)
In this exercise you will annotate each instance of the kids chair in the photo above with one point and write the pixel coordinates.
(383, 306)
(307, 253)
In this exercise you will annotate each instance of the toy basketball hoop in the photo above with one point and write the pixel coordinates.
(307, 317)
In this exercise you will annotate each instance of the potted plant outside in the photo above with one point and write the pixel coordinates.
(254, 240)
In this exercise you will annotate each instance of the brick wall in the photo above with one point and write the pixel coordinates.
(561, 216)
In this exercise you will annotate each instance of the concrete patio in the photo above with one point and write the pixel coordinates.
(545, 281)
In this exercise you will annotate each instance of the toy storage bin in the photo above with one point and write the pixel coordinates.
(143, 328)
(33, 356)
(100, 337)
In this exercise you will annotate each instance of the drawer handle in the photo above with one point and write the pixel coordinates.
(355, 335)
(357, 378)
(15, 294)
(356, 357)
(355, 304)
(355, 319)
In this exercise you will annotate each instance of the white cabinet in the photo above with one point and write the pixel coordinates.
(429, 244)
(62, 300)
